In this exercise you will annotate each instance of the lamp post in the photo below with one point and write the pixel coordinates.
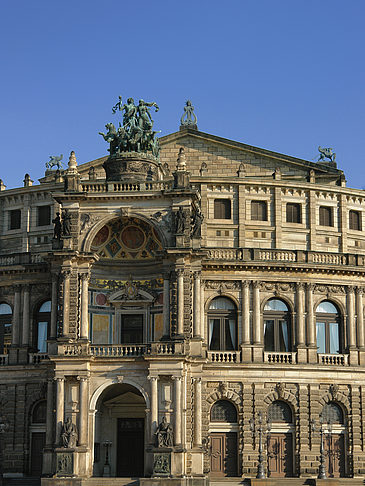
(257, 427)
(106, 470)
(3, 428)
(322, 460)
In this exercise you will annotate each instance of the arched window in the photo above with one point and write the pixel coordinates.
(223, 411)
(277, 335)
(43, 320)
(332, 413)
(328, 328)
(39, 412)
(280, 412)
(222, 321)
(6, 315)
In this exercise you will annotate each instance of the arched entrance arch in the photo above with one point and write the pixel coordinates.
(119, 431)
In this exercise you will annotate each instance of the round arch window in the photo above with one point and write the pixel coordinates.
(332, 413)
(280, 412)
(277, 329)
(328, 328)
(223, 411)
(39, 412)
(43, 322)
(222, 322)
(6, 315)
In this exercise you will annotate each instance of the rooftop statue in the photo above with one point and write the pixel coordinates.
(326, 153)
(189, 120)
(135, 133)
(54, 161)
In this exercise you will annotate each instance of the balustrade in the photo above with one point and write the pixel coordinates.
(281, 358)
(224, 356)
(333, 359)
(4, 359)
(37, 358)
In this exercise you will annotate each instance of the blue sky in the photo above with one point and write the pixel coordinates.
(285, 75)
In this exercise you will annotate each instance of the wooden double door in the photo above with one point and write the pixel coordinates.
(280, 455)
(223, 454)
(130, 447)
(334, 445)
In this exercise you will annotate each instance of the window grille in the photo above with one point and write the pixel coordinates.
(332, 413)
(280, 412)
(223, 411)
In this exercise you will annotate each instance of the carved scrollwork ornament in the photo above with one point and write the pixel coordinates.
(223, 388)
(280, 389)
(360, 290)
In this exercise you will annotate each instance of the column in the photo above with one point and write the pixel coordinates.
(66, 301)
(300, 315)
(54, 305)
(180, 302)
(16, 316)
(360, 317)
(198, 412)
(256, 313)
(60, 408)
(83, 410)
(197, 292)
(154, 405)
(178, 411)
(25, 330)
(245, 289)
(166, 305)
(84, 331)
(203, 325)
(351, 316)
(310, 317)
(49, 414)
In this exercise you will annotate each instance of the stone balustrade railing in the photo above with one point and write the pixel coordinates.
(333, 359)
(224, 356)
(37, 358)
(4, 359)
(94, 187)
(119, 350)
(291, 256)
(280, 357)
(20, 259)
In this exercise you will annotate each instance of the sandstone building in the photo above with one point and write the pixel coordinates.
(217, 282)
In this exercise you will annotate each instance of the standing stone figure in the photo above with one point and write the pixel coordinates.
(57, 229)
(66, 223)
(164, 434)
(191, 120)
(180, 221)
(69, 434)
(197, 220)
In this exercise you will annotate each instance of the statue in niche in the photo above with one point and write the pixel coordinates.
(66, 223)
(197, 220)
(57, 228)
(69, 434)
(180, 221)
(164, 434)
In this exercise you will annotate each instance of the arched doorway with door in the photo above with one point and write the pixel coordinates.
(37, 431)
(120, 432)
(280, 440)
(223, 431)
(333, 424)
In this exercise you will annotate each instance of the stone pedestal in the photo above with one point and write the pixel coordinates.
(162, 463)
(71, 463)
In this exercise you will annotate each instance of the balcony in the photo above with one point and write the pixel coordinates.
(119, 350)
(224, 356)
(333, 359)
(99, 187)
(38, 358)
(280, 357)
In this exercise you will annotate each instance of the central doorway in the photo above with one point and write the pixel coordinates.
(130, 447)
(119, 440)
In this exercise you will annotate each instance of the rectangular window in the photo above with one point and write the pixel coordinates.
(325, 216)
(131, 329)
(222, 209)
(293, 213)
(43, 215)
(15, 219)
(259, 210)
(355, 220)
